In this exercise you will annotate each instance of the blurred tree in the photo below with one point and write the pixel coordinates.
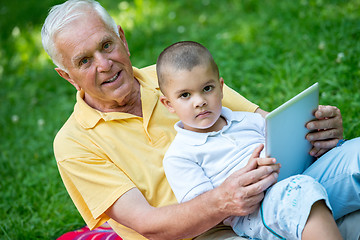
(22, 14)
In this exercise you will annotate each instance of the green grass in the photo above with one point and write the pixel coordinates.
(266, 50)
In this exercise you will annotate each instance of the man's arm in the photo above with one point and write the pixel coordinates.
(326, 130)
(262, 112)
(240, 194)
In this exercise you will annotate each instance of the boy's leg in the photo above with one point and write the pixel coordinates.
(339, 172)
(320, 224)
(284, 210)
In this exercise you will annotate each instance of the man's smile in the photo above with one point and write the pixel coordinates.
(112, 79)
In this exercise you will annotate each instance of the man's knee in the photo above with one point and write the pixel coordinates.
(351, 152)
(352, 146)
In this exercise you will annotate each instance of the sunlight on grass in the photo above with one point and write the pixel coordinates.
(139, 12)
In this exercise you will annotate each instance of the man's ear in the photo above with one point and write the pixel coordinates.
(122, 37)
(67, 77)
(164, 100)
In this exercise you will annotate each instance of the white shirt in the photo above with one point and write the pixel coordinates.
(198, 162)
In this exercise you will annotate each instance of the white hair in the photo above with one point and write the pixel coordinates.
(63, 14)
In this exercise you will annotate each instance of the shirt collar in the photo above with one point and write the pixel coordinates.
(196, 138)
(89, 117)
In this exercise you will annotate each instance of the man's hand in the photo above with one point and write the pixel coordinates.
(244, 190)
(326, 130)
(240, 195)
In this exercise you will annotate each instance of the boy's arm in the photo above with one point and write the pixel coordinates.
(186, 178)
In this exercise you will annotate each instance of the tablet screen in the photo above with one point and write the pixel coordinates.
(286, 131)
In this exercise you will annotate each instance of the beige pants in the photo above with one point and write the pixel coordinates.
(349, 226)
(220, 232)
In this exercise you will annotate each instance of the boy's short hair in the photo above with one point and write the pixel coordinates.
(184, 55)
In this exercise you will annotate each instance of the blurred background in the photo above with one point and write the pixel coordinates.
(266, 50)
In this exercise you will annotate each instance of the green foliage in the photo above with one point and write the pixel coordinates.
(266, 50)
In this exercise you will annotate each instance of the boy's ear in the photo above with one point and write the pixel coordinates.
(67, 77)
(222, 85)
(167, 104)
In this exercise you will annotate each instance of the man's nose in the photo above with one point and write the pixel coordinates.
(103, 62)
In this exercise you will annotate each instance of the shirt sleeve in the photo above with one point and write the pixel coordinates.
(186, 178)
(237, 102)
(93, 182)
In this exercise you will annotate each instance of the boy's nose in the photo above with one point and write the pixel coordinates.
(200, 102)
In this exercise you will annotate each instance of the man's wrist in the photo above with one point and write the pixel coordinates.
(341, 142)
(219, 203)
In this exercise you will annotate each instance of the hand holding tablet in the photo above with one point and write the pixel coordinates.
(286, 131)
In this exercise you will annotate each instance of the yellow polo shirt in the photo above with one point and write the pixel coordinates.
(101, 156)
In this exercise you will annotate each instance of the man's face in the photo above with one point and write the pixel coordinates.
(96, 60)
(195, 96)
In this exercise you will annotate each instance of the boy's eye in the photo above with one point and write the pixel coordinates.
(185, 95)
(208, 88)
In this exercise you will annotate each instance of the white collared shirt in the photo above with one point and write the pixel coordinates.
(197, 162)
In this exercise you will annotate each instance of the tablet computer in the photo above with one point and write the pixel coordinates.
(286, 131)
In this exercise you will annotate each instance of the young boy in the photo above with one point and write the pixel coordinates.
(213, 142)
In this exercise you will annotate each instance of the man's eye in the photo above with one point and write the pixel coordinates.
(185, 95)
(84, 61)
(208, 88)
(107, 46)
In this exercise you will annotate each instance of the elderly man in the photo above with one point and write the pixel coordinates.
(110, 150)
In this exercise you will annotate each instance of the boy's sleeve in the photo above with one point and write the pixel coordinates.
(186, 178)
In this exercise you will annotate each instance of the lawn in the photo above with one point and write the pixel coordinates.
(267, 50)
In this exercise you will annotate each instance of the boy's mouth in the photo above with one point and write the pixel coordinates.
(203, 114)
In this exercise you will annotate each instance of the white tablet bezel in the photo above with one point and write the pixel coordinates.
(286, 131)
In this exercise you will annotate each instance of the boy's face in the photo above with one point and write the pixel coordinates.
(195, 96)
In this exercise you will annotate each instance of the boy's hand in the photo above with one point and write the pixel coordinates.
(242, 192)
(269, 163)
